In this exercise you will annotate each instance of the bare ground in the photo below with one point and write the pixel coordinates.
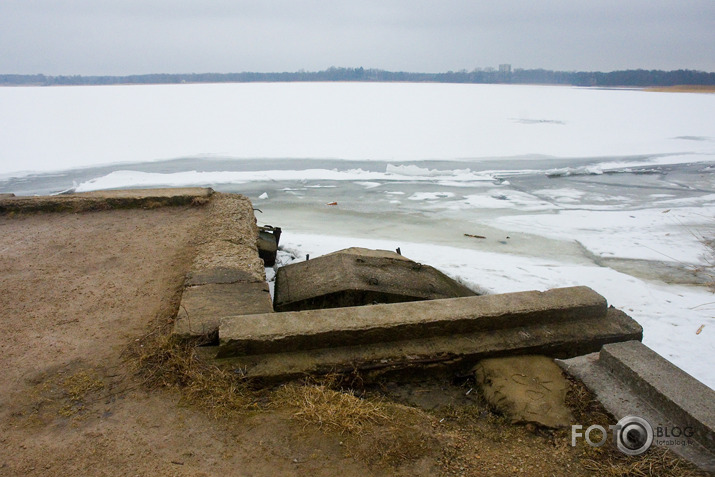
(78, 291)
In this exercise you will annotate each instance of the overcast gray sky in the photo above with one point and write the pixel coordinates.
(118, 37)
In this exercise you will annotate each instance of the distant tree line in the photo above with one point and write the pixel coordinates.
(479, 75)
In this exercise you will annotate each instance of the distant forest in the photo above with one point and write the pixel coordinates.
(636, 78)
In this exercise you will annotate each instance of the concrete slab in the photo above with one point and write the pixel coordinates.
(631, 379)
(291, 331)
(453, 354)
(357, 276)
(202, 306)
(104, 200)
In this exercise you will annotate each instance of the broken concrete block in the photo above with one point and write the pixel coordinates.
(230, 218)
(203, 306)
(357, 276)
(220, 275)
(528, 389)
(561, 336)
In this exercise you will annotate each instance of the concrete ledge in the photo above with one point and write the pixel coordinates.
(291, 331)
(226, 276)
(561, 338)
(631, 379)
(215, 255)
(105, 200)
(220, 275)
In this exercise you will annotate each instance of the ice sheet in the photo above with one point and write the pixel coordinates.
(649, 234)
(58, 128)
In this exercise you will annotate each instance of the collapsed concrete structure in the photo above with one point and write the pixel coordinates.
(226, 301)
(358, 276)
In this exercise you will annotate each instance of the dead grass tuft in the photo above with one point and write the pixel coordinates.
(374, 431)
(656, 462)
(200, 201)
(76, 388)
(333, 410)
(162, 361)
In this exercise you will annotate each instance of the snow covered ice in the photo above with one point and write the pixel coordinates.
(613, 189)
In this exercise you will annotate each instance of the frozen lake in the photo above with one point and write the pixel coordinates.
(613, 189)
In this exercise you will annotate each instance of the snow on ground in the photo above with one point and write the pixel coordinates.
(58, 128)
(670, 315)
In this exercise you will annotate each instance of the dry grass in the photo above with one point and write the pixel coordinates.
(655, 463)
(76, 388)
(65, 392)
(162, 361)
(339, 411)
(374, 430)
(683, 88)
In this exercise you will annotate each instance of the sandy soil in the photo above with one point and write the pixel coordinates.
(78, 289)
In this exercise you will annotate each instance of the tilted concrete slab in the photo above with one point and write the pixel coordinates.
(567, 336)
(357, 276)
(106, 199)
(631, 379)
(311, 329)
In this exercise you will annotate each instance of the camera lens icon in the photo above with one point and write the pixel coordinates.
(634, 435)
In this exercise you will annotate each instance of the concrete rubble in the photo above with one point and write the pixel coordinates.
(226, 301)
